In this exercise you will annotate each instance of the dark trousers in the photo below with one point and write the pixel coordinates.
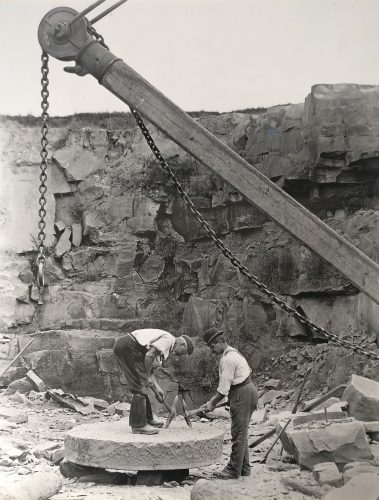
(243, 401)
(131, 358)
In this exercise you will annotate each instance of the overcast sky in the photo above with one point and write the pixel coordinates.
(215, 55)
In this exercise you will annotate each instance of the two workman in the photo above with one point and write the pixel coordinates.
(142, 351)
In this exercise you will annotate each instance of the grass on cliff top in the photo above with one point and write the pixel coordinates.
(111, 121)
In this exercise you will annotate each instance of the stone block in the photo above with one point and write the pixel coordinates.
(326, 404)
(52, 365)
(273, 384)
(355, 468)
(77, 235)
(67, 359)
(7, 448)
(56, 456)
(99, 404)
(59, 227)
(141, 225)
(53, 272)
(327, 473)
(152, 268)
(13, 415)
(337, 442)
(144, 206)
(112, 445)
(316, 417)
(107, 361)
(5, 425)
(122, 408)
(24, 313)
(37, 383)
(22, 385)
(340, 406)
(362, 394)
(12, 374)
(37, 486)
(270, 396)
(64, 244)
(19, 398)
(43, 450)
(372, 429)
(362, 487)
(66, 263)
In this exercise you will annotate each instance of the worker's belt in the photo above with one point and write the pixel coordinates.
(236, 386)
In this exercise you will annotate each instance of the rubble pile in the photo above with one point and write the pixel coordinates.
(328, 452)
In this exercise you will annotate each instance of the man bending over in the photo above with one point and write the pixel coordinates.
(138, 354)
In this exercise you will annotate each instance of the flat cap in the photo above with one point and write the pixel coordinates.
(211, 334)
(190, 346)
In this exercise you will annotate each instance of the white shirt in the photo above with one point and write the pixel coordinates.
(152, 337)
(233, 370)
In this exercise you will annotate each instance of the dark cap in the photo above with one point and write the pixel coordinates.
(190, 346)
(211, 334)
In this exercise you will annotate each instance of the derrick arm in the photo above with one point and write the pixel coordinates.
(116, 76)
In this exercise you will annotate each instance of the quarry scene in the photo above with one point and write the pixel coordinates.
(189, 302)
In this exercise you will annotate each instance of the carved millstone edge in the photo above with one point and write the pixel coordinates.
(112, 445)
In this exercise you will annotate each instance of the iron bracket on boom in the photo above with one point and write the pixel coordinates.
(67, 35)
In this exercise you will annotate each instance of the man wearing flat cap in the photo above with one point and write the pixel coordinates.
(236, 384)
(139, 353)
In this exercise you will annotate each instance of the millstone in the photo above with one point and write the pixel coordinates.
(112, 445)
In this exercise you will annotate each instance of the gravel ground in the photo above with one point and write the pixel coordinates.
(48, 423)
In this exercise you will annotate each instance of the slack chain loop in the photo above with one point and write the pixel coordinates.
(43, 176)
(228, 254)
(234, 260)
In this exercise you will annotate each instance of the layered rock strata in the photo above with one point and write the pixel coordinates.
(125, 252)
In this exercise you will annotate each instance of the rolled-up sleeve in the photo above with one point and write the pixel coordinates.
(226, 375)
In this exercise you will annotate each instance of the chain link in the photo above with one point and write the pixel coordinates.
(234, 260)
(91, 30)
(43, 176)
(226, 252)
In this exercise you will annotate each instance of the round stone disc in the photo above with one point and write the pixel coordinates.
(112, 445)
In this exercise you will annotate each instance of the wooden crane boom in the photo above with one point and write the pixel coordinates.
(65, 39)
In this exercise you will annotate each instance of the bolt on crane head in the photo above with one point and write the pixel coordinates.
(63, 31)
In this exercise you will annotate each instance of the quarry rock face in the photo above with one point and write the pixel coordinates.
(125, 252)
(68, 360)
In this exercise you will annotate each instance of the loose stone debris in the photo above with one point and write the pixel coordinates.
(42, 433)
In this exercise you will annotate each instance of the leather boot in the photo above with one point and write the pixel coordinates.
(151, 420)
(137, 416)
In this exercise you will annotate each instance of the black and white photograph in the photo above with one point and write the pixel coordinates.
(189, 250)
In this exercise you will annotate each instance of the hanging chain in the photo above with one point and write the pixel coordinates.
(227, 253)
(91, 30)
(43, 176)
(233, 259)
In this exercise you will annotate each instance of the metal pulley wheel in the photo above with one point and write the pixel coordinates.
(61, 33)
